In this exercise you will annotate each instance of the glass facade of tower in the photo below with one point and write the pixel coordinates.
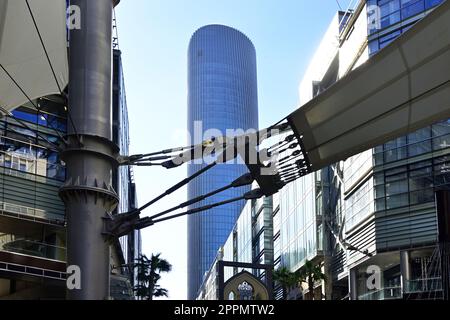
(222, 95)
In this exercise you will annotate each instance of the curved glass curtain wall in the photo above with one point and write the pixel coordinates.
(222, 94)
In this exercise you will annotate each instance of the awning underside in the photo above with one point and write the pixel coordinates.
(22, 54)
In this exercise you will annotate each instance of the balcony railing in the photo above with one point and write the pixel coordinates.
(388, 293)
(423, 285)
(35, 249)
(346, 17)
(15, 209)
(411, 286)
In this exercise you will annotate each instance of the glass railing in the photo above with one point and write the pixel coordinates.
(29, 167)
(30, 212)
(34, 248)
(423, 285)
(387, 293)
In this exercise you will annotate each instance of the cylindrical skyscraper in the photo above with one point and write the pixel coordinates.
(222, 95)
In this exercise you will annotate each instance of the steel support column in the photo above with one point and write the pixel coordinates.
(444, 249)
(442, 198)
(405, 269)
(353, 284)
(90, 155)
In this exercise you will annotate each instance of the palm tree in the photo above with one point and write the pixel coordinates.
(148, 274)
(312, 273)
(160, 292)
(286, 279)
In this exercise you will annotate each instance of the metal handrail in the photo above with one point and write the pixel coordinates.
(43, 270)
(423, 285)
(27, 157)
(380, 294)
(24, 246)
(27, 211)
(350, 9)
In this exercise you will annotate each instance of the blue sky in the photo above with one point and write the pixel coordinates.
(154, 37)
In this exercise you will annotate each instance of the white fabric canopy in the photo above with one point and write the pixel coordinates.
(404, 87)
(22, 54)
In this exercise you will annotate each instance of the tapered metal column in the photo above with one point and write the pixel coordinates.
(88, 192)
(443, 218)
(405, 269)
(444, 250)
(353, 284)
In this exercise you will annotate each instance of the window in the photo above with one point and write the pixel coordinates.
(388, 7)
(422, 196)
(396, 187)
(412, 7)
(399, 142)
(372, 16)
(30, 158)
(442, 174)
(396, 174)
(378, 179)
(441, 142)
(396, 201)
(23, 114)
(419, 135)
(385, 13)
(420, 183)
(380, 204)
(395, 154)
(441, 128)
(431, 3)
(385, 40)
(23, 164)
(419, 148)
(419, 142)
(379, 191)
(390, 20)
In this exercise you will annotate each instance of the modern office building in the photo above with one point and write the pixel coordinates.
(250, 241)
(382, 199)
(32, 216)
(374, 212)
(390, 202)
(298, 220)
(32, 219)
(123, 179)
(222, 95)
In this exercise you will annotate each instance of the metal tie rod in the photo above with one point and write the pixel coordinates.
(177, 186)
(244, 180)
(148, 221)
